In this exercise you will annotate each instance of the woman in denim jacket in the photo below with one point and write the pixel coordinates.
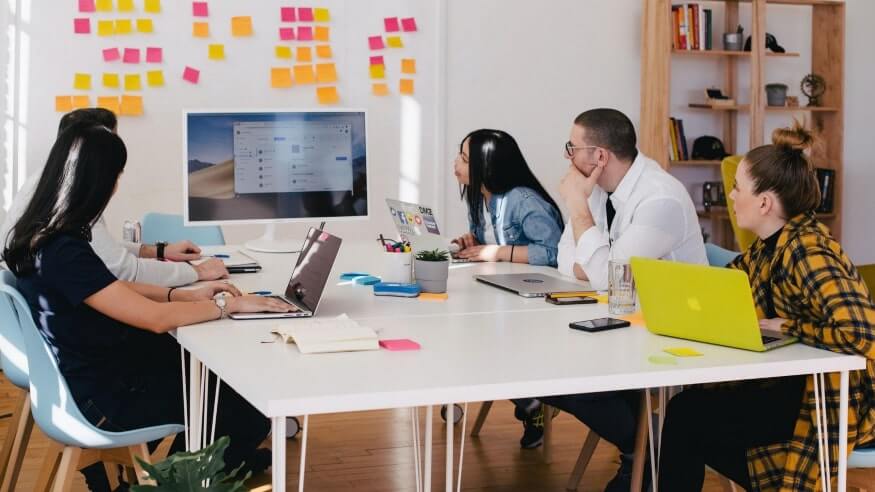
(511, 217)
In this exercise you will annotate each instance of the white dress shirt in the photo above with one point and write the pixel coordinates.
(655, 218)
(120, 258)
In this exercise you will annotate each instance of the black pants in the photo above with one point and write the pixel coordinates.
(716, 427)
(613, 415)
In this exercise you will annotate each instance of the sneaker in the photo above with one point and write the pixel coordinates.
(533, 428)
(622, 481)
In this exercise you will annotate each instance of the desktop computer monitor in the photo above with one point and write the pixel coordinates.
(245, 167)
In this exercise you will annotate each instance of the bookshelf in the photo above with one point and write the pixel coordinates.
(827, 60)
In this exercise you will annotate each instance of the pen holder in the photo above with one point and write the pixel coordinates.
(397, 267)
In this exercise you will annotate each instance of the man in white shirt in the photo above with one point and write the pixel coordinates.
(128, 261)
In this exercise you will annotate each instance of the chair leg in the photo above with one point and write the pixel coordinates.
(67, 469)
(49, 468)
(16, 443)
(112, 470)
(586, 452)
(141, 451)
(640, 444)
(548, 432)
(481, 418)
(728, 485)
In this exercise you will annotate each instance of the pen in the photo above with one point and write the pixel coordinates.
(219, 255)
(259, 293)
(383, 240)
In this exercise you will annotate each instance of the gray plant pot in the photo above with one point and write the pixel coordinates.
(776, 94)
(432, 275)
(733, 41)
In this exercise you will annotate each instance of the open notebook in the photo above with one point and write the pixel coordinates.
(235, 261)
(314, 336)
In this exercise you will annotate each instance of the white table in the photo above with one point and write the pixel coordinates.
(471, 348)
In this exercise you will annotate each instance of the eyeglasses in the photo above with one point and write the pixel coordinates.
(570, 148)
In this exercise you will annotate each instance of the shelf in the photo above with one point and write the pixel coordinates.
(740, 54)
(694, 162)
(722, 213)
(734, 107)
(784, 2)
(779, 109)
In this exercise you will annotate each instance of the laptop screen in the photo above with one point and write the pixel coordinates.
(313, 268)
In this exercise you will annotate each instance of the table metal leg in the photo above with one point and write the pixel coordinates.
(843, 431)
(278, 444)
(426, 476)
(303, 453)
(194, 401)
(449, 469)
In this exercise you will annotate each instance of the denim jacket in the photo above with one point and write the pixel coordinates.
(522, 217)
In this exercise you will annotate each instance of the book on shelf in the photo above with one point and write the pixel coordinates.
(826, 181)
(673, 141)
(678, 150)
(691, 27)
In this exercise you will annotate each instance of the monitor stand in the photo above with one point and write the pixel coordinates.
(268, 243)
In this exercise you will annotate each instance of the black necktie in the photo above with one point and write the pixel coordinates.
(611, 212)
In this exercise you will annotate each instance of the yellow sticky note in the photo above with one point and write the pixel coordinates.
(662, 360)
(321, 15)
(431, 296)
(304, 54)
(155, 78)
(682, 351)
(125, 5)
(325, 73)
(601, 298)
(241, 26)
(111, 80)
(108, 102)
(103, 5)
(281, 77)
(63, 104)
(378, 71)
(145, 26)
(380, 89)
(132, 82)
(321, 33)
(80, 102)
(200, 29)
(283, 51)
(637, 319)
(105, 28)
(217, 52)
(124, 26)
(82, 81)
(408, 65)
(406, 87)
(327, 95)
(152, 6)
(304, 74)
(131, 105)
(394, 42)
(323, 51)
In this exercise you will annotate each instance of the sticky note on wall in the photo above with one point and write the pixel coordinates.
(323, 51)
(200, 9)
(391, 24)
(103, 5)
(322, 33)
(321, 15)
(82, 81)
(132, 55)
(304, 74)
(191, 75)
(111, 54)
(380, 89)
(131, 105)
(378, 71)
(305, 14)
(327, 95)
(241, 26)
(287, 14)
(125, 5)
(304, 54)
(132, 82)
(376, 42)
(394, 42)
(409, 24)
(217, 52)
(326, 73)
(111, 80)
(155, 78)
(124, 26)
(86, 6)
(408, 65)
(287, 33)
(63, 104)
(82, 26)
(109, 102)
(406, 87)
(80, 102)
(200, 29)
(154, 55)
(283, 51)
(105, 28)
(280, 77)
(145, 26)
(152, 6)
(377, 60)
(305, 33)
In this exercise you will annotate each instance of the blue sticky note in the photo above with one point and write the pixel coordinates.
(353, 275)
(367, 280)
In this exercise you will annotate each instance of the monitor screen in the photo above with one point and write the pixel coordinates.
(275, 166)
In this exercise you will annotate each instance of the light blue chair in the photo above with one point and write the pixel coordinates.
(170, 228)
(718, 256)
(57, 414)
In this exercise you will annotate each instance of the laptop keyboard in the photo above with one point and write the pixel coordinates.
(768, 340)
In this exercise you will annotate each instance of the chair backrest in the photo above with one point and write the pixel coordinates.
(868, 274)
(718, 256)
(728, 167)
(170, 228)
(13, 354)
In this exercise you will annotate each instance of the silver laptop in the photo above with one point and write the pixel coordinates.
(417, 224)
(532, 284)
(309, 277)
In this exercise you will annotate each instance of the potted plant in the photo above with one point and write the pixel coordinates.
(191, 471)
(431, 270)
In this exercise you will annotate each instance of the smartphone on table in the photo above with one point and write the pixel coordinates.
(599, 324)
(568, 300)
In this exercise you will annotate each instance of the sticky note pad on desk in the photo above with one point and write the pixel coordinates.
(399, 345)
(431, 296)
(636, 319)
(683, 352)
(367, 280)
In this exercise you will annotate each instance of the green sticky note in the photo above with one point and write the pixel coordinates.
(683, 352)
(663, 360)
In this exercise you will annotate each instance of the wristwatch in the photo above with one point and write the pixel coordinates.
(221, 303)
(160, 245)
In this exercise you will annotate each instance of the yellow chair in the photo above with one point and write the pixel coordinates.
(728, 167)
(868, 274)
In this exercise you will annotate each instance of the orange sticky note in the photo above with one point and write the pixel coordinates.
(408, 65)
(321, 15)
(304, 74)
(217, 52)
(241, 26)
(105, 28)
(321, 33)
(327, 95)
(80, 102)
(153, 7)
(325, 72)
(103, 5)
(155, 78)
(304, 54)
(637, 319)
(111, 80)
(108, 102)
(380, 89)
(394, 42)
(124, 26)
(280, 78)
(125, 5)
(63, 104)
(200, 29)
(132, 105)
(378, 71)
(323, 51)
(145, 26)
(283, 51)
(82, 81)
(132, 82)
(406, 87)
(431, 296)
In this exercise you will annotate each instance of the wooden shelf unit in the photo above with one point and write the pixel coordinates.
(827, 60)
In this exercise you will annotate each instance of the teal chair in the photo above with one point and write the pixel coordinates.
(57, 414)
(170, 228)
(718, 256)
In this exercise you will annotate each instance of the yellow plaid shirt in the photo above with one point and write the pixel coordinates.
(817, 289)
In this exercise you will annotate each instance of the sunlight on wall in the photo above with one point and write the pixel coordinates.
(15, 96)
(411, 150)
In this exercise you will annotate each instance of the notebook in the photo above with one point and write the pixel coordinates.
(316, 336)
(235, 261)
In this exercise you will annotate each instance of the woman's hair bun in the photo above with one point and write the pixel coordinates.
(795, 138)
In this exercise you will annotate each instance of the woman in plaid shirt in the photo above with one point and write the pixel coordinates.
(762, 434)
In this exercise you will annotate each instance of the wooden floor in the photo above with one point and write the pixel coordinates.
(372, 452)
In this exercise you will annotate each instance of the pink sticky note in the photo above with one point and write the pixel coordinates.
(191, 75)
(287, 33)
(377, 60)
(200, 9)
(305, 33)
(376, 42)
(81, 26)
(86, 6)
(111, 54)
(132, 55)
(287, 14)
(305, 14)
(400, 344)
(408, 24)
(154, 55)
(391, 24)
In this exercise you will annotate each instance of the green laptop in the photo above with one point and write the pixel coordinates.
(701, 303)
